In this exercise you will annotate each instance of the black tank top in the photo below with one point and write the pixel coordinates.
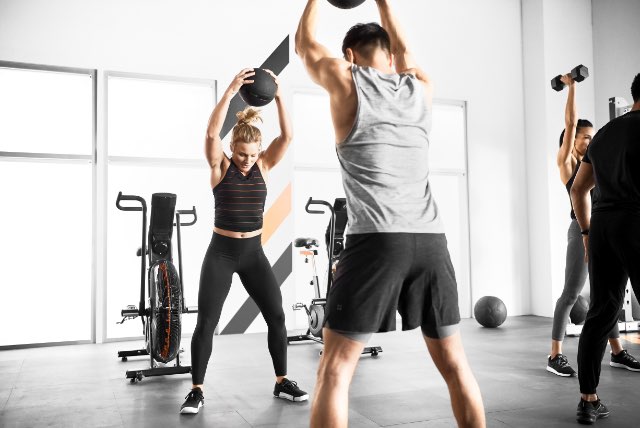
(239, 200)
(568, 186)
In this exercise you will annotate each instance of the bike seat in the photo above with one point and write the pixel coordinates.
(305, 242)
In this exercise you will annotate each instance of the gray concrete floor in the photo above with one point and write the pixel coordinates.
(84, 385)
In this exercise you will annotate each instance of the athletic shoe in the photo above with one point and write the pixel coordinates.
(560, 366)
(625, 361)
(194, 400)
(589, 411)
(289, 390)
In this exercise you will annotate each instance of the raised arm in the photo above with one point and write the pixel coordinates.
(278, 147)
(564, 161)
(323, 67)
(213, 142)
(403, 57)
(581, 199)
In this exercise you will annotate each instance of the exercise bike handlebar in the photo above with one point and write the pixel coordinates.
(122, 197)
(143, 245)
(332, 231)
(312, 201)
(188, 212)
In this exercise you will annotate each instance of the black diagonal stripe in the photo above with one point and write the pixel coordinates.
(249, 310)
(276, 62)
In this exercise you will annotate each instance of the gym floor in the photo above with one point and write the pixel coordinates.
(84, 385)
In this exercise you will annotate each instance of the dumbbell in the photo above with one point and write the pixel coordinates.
(579, 73)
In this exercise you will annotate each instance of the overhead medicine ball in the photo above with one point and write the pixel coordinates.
(346, 4)
(579, 310)
(261, 92)
(490, 311)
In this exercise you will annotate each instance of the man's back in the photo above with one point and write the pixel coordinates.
(615, 156)
(384, 159)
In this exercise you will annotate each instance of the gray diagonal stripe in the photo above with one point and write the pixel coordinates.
(276, 62)
(249, 310)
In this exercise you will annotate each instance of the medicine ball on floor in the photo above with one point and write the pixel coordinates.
(490, 311)
(346, 4)
(579, 310)
(261, 92)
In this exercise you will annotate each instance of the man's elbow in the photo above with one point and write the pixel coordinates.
(400, 49)
(299, 42)
(300, 47)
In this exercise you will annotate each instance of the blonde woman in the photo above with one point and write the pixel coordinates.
(239, 185)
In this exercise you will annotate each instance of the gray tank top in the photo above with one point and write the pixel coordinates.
(385, 158)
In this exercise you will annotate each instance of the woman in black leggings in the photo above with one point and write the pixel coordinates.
(239, 189)
(574, 141)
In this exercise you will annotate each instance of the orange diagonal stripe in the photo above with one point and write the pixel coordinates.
(274, 217)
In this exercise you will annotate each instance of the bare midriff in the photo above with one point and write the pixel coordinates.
(239, 235)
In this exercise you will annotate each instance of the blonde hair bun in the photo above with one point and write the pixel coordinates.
(248, 116)
(244, 131)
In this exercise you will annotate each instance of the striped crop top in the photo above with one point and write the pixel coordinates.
(239, 200)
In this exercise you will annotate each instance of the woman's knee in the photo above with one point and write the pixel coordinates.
(205, 326)
(276, 319)
(568, 299)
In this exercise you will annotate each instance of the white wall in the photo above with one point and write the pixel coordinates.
(473, 51)
(616, 51)
(557, 37)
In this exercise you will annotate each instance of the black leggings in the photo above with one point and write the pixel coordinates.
(614, 255)
(226, 256)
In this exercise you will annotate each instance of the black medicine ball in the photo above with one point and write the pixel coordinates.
(346, 4)
(261, 92)
(579, 310)
(490, 311)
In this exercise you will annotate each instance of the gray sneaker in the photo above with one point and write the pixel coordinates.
(625, 361)
(194, 400)
(559, 365)
(289, 391)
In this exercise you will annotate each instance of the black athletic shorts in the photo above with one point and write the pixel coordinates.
(380, 273)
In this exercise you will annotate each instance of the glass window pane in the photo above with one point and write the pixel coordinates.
(447, 142)
(45, 252)
(159, 119)
(313, 130)
(45, 112)
(191, 185)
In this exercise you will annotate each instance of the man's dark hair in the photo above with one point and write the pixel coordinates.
(635, 88)
(364, 38)
(582, 123)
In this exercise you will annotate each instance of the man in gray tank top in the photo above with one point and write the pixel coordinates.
(396, 257)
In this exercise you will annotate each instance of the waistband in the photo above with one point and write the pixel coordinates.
(226, 244)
